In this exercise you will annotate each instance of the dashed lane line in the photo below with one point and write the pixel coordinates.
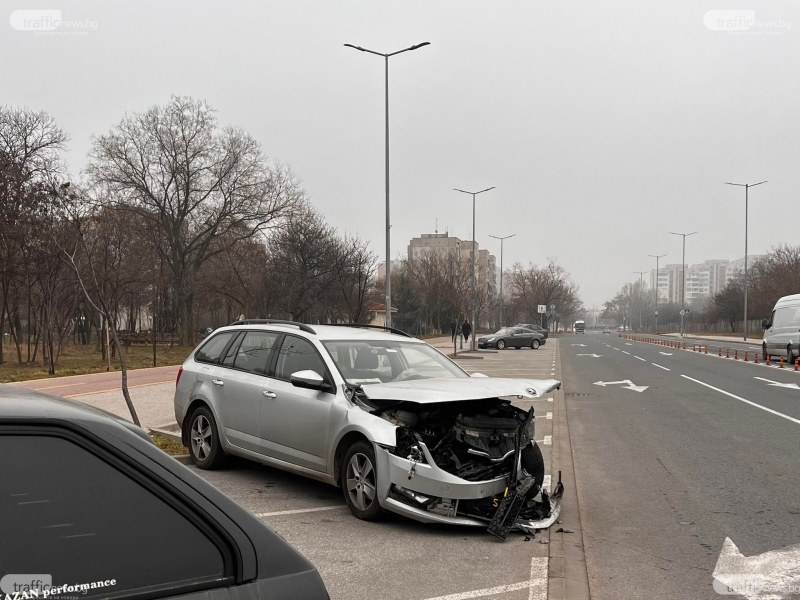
(639, 358)
(660, 367)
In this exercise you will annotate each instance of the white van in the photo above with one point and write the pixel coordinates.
(782, 329)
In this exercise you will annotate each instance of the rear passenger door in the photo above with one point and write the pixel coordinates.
(295, 422)
(240, 380)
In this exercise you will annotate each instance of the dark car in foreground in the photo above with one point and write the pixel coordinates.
(90, 508)
(512, 337)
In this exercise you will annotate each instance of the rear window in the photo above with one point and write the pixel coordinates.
(212, 350)
(79, 521)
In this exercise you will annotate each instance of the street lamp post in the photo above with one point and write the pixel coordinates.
(501, 238)
(388, 219)
(683, 275)
(655, 287)
(746, 187)
(641, 287)
(474, 291)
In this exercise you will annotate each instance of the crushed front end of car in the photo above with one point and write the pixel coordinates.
(462, 457)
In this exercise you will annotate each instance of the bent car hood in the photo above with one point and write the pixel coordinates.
(428, 391)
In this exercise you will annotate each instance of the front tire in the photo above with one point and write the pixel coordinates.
(204, 445)
(359, 481)
(533, 462)
(535, 345)
(501, 344)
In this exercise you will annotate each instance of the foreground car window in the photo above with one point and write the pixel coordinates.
(386, 361)
(67, 514)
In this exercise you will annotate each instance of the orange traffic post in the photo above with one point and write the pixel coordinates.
(781, 362)
(755, 358)
(719, 352)
(766, 359)
(796, 363)
(727, 352)
(736, 355)
(746, 358)
(706, 348)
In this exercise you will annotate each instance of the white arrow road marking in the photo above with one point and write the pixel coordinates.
(666, 353)
(629, 385)
(769, 410)
(774, 574)
(549, 416)
(594, 355)
(792, 386)
(581, 345)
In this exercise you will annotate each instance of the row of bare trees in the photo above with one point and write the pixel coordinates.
(178, 223)
(435, 289)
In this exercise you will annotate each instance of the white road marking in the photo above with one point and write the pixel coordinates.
(666, 353)
(549, 416)
(792, 386)
(547, 441)
(772, 574)
(769, 410)
(626, 352)
(549, 399)
(536, 585)
(299, 511)
(548, 480)
(629, 385)
(639, 358)
(660, 367)
(592, 355)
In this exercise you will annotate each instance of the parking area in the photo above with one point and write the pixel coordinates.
(397, 557)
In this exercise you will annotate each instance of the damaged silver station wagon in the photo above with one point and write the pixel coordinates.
(388, 418)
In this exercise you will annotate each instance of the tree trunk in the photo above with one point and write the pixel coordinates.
(124, 367)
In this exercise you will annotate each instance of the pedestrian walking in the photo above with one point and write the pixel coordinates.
(453, 330)
(466, 330)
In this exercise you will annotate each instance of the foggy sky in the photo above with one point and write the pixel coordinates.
(603, 126)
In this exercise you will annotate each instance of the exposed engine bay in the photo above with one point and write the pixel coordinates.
(478, 441)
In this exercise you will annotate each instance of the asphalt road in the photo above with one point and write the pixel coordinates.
(708, 451)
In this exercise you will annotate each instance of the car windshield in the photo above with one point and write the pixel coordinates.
(503, 331)
(384, 361)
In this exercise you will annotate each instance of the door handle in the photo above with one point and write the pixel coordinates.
(269, 394)
(217, 382)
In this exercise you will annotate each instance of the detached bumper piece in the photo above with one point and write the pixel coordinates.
(520, 509)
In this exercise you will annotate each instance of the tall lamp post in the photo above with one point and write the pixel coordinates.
(655, 287)
(683, 275)
(501, 238)
(474, 290)
(388, 220)
(746, 187)
(641, 287)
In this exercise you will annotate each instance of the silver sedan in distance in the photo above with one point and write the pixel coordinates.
(388, 418)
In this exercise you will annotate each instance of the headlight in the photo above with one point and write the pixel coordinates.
(491, 339)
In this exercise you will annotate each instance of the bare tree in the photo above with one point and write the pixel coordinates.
(30, 147)
(195, 182)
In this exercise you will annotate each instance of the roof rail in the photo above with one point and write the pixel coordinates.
(301, 326)
(389, 329)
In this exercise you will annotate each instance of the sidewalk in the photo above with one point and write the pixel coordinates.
(445, 345)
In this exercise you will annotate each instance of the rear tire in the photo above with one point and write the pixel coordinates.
(790, 357)
(501, 344)
(204, 445)
(535, 345)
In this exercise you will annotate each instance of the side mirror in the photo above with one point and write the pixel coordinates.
(310, 380)
(765, 324)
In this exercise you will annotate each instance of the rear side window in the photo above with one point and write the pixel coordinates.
(67, 514)
(212, 350)
(254, 353)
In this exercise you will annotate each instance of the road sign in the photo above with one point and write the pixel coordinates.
(683, 312)
(542, 308)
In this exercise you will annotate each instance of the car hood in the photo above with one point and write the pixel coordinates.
(429, 391)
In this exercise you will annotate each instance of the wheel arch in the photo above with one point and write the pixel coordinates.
(193, 406)
(347, 440)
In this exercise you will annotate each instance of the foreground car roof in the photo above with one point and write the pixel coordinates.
(428, 391)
